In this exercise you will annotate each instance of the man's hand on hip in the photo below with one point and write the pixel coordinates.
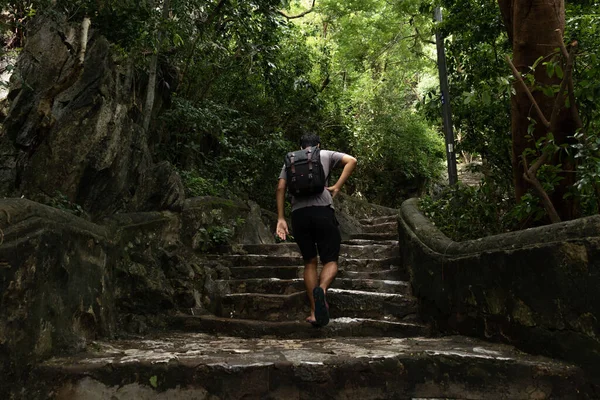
(334, 190)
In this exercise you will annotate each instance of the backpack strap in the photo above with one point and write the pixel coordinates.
(293, 167)
(310, 166)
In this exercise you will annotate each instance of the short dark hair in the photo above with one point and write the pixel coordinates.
(309, 140)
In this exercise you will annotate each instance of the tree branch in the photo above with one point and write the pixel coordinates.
(215, 12)
(519, 78)
(198, 37)
(150, 91)
(559, 101)
(85, 28)
(529, 176)
(302, 14)
(567, 55)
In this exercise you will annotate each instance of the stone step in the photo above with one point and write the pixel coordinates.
(201, 366)
(289, 286)
(265, 272)
(352, 271)
(249, 260)
(387, 227)
(375, 251)
(287, 251)
(257, 260)
(375, 236)
(365, 242)
(379, 220)
(394, 273)
(338, 327)
(342, 303)
(372, 264)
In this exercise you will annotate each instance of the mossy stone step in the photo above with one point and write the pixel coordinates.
(375, 236)
(249, 260)
(363, 242)
(354, 271)
(289, 286)
(342, 303)
(365, 249)
(387, 227)
(379, 220)
(266, 272)
(200, 366)
(339, 327)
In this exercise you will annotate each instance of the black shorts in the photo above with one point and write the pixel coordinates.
(316, 228)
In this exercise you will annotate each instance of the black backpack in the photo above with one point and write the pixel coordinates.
(305, 175)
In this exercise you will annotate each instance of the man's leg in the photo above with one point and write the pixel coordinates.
(301, 225)
(328, 244)
(310, 282)
(328, 274)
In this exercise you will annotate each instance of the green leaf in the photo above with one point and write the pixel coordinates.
(535, 64)
(487, 98)
(548, 91)
(177, 40)
(559, 71)
(550, 69)
(154, 381)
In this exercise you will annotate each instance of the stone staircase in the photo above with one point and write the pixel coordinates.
(263, 292)
(257, 345)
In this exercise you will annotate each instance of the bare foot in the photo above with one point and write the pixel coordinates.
(311, 319)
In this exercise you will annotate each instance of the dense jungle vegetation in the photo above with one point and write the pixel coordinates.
(245, 79)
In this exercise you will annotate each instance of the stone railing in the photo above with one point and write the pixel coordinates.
(65, 280)
(536, 289)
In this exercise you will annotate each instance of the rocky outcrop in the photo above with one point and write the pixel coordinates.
(80, 140)
(534, 288)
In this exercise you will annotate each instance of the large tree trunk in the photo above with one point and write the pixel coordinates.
(532, 28)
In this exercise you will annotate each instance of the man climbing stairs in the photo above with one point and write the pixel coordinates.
(256, 344)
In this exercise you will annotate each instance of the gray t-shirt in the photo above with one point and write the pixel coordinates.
(329, 160)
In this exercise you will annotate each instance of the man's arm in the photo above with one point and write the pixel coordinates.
(349, 164)
(282, 227)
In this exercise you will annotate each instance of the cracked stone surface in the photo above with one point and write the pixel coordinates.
(202, 366)
(232, 352)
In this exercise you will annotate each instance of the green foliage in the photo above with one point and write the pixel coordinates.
(479, 79)
(217, 232)
(587, 186)
(197, 186)
(247, 83)
(398, 154)
(583, 25)
(480, 92)
(370, 57)
(224, 152)
(62, 202)
(214, 236)
(465, 212)
(154, 381)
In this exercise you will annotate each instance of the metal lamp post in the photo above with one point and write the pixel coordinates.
(446, 112)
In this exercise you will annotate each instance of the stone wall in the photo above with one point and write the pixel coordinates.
(56, 284)
(65, 281)
(536, 288)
